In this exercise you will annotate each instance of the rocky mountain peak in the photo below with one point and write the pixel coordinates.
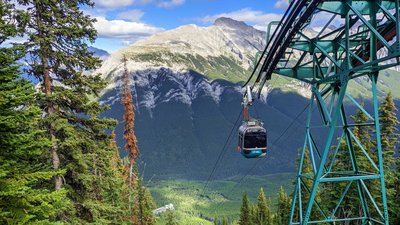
(229, 22)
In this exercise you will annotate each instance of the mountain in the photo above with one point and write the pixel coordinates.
(222, 51)
(100, 53)
(183, 120)
(186, 86)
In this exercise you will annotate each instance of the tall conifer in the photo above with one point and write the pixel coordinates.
(307, 182)
(57, 36)
(171, 218)
(282, 208)
(262, 214)
(25, 194)
(225, 221)
(389, 132)
(143, 205)
(390, 139)
(245, 214)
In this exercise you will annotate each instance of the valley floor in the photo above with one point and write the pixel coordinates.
(193, 205)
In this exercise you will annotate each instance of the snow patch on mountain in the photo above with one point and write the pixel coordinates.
(190, 47)
(163, 66)
(163, 85)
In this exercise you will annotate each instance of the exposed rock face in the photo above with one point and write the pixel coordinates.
(187, 95)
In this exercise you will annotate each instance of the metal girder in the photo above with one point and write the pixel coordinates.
(346, 46)
(363, 6)
(351, 36)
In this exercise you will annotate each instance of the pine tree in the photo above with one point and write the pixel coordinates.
(171, 218)
(389, 131)
(143, 205)
(245, 214)
(25, 194)
(282, 208)
(395, 216)
(351, 205)
(57, 36)
(308, 171)
(262, 211)
(389, 140)
(363, 134)
(333, 191)
(225, 221)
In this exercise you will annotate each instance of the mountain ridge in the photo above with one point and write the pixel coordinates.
(187, 100)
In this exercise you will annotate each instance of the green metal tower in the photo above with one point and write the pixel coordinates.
(329, 45)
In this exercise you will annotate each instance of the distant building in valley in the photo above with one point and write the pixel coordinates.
(163, 209)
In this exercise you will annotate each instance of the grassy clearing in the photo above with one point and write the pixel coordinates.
(222, 198)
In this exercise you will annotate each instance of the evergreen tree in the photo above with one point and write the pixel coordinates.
(333, 191)
(363, 134)
(143, 205)
(282, 208)
(262, 214)
(351, 205)
(307, 182)
(171, 218)
(225, 221)
(25, 194)
(395, 216)
(81, 156)
(389, 131)
(389, 140)
(245, 214)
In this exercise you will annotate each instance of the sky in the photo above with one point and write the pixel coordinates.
(123, 22)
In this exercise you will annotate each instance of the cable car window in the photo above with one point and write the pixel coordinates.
(255, 140)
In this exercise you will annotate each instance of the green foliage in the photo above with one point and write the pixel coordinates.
(171, 218)
(282, 208)
(245, 211)
(389, 140)
(81, 150)
(395, 216)
(306, 185)
(389, 131)
(26, 196)
(221, 199)
(262, 212)
(332, 192)
(351, 205)
(143, 205)
(225, 221)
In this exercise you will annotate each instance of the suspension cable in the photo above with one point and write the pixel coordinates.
(267, 158)
(222, 153)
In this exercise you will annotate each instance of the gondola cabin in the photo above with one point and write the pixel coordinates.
(252, 139)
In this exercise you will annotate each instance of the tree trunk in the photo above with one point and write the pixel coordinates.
(50, 111)
(48, 83)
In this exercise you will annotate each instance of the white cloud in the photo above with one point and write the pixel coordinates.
(131, 15)
(113, 3)
(252, 17)
(282, 4)
(121, 29)
(171, 3)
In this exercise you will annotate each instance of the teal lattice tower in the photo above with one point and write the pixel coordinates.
(333, 47)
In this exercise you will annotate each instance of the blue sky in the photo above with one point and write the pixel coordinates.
(122, 22)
